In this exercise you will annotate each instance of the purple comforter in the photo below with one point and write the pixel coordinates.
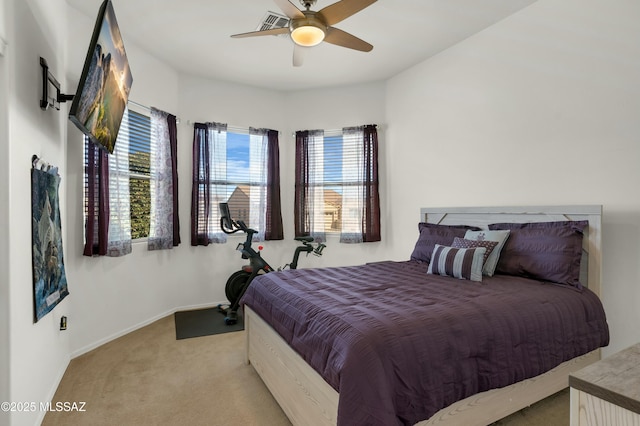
(399, 345)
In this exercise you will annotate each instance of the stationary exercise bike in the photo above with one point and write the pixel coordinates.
(239, 281)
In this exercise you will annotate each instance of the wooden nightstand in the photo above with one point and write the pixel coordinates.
(607, 393)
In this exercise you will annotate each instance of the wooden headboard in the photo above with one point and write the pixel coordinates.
(591, 272)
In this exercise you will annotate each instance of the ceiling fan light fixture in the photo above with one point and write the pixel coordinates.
(307, 36)
(307, 32)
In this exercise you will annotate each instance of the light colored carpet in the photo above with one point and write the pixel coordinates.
(149, 378)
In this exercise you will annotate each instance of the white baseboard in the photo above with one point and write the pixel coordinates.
(52, 391)
(135, 327)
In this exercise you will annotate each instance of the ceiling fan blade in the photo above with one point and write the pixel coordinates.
(344, 39)
(273, 31)
(341, 10)
(289, 9)
(298, 55)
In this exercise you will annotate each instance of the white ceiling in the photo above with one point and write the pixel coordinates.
(193, 36)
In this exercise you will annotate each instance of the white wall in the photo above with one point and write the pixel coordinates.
(38, 352)
(541, 108)
(4, 23)
(4, 214)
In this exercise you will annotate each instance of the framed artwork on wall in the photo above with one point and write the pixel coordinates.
(49, 278)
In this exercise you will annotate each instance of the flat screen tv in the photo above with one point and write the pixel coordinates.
(105, 83)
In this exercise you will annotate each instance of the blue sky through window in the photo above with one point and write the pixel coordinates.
(333, 161)
(237, 157)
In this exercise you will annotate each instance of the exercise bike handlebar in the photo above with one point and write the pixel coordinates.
(230, 226)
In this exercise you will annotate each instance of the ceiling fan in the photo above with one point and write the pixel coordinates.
(308, 28)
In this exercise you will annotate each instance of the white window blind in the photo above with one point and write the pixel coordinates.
(135, 137)
(338, 163)
(238, 164)
(246, 178)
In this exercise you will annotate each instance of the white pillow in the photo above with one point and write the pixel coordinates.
(499, 236)
(463, 263)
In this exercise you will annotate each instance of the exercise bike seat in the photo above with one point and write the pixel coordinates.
(305, 239)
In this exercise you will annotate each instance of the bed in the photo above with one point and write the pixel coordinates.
(417, 352)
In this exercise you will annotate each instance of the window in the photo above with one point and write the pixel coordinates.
(238, 167)
(140, 176)
(337, 184)
(134, 133)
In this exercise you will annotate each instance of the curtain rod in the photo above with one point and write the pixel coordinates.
(330, 132)
(230, 128)
(147, 108)
(334, 132)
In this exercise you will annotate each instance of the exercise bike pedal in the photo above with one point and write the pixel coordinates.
(222, 309)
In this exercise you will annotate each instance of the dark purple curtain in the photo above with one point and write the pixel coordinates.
(301, 218)
(371, 211)
(200, 188)
(173, 140)
(274, 229)
(97, 187)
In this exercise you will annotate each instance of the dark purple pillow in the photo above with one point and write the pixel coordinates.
(432, 234)
(548, 251)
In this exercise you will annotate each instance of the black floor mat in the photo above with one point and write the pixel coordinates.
(204, 322)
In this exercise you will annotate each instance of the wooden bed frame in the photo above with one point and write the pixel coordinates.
(308, 400)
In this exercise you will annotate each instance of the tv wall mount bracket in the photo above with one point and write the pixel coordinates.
(49, 82)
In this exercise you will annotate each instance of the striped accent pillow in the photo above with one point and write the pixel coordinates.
(463, 263)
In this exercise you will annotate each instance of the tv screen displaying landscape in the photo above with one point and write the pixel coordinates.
(105, 83)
